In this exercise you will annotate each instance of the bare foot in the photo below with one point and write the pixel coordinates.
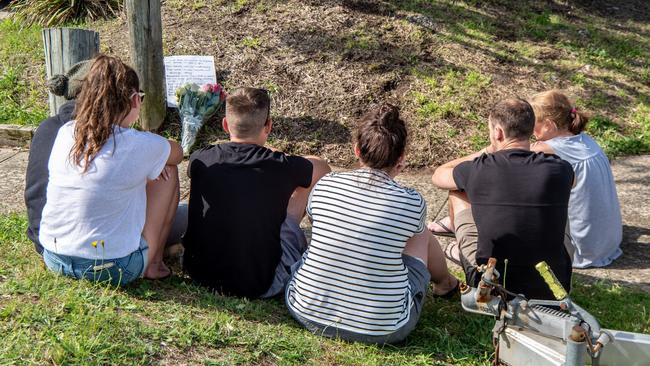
(157, 271)
(442, 226)
(446, 287)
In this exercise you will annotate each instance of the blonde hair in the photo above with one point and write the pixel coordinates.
(556, 107)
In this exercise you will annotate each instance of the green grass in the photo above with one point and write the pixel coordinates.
(23, 97)
(18, 104)
(615, 140)
(49, 319)
(251, 42)
(361, 40)
(448, 93)
(448, 97)
(583, 56)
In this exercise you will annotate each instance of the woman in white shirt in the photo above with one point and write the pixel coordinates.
(113, 190)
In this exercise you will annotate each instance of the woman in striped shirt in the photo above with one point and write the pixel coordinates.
(370, 260)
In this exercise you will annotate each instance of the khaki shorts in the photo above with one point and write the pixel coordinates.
(466, 236)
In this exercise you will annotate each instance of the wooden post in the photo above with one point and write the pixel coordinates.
(65, 47)
(145, 31)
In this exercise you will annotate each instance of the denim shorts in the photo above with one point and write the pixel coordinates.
(119, 271)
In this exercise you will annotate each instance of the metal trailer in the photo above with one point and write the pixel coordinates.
(550, 333)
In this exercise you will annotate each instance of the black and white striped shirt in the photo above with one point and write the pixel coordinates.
(353, 276)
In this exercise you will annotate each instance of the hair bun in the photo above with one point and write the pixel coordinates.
(58, 85)
(388, 114)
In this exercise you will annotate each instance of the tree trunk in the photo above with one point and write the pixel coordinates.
(145, 31)
(65, 47)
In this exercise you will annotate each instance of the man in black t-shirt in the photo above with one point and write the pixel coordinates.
(510, 203)
(246, 204)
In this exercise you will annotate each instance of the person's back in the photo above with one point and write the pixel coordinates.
(238, 202)
(110, 187)
(519, 203)
(361, 222)
(110, 208)
(246, 204)
(594, 212)
(510, 203)
(595, 225)
(367, 270)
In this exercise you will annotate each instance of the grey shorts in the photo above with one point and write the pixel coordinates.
(418, 277)
(293, 244)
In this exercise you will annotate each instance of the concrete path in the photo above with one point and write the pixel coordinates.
(632, 178)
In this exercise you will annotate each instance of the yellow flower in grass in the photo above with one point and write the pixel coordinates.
(95, 242)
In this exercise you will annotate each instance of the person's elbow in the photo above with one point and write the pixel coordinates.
(175, 153)
(443, 179)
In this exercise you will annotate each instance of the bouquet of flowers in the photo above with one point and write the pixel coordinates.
(195, 105)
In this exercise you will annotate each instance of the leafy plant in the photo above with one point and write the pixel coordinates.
(56, 12)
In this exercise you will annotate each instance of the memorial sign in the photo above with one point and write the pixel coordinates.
(180, 70)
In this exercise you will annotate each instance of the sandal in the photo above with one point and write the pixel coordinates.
(167, 276)
(449, 253)
(447, 232)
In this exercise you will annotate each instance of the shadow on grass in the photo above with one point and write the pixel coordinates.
(309, 129)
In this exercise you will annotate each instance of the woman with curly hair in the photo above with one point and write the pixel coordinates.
(113, 190)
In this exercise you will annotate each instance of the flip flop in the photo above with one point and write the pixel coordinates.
(447, 233)
(449, 253)
(171, 273)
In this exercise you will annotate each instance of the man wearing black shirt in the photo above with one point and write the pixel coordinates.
(246, 204)
(510, 203)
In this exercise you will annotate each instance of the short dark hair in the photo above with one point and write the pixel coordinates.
(247, 111)
(381, 137)
(515, 116)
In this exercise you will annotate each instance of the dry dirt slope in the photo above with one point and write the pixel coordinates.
(443, 62)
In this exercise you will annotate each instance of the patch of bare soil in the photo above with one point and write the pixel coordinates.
(327, 62)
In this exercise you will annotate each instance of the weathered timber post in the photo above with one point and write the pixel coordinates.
(145, 31)
(65, 47)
